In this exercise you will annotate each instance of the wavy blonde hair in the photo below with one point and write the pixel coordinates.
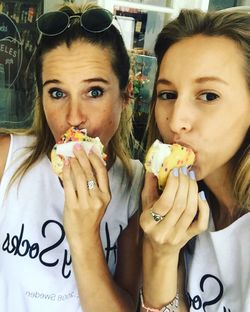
(44, 140)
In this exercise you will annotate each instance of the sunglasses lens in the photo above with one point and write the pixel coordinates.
(96, 20)
(52, 23)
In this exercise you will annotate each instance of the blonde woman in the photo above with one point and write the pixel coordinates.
(64, 249)
(201, 100)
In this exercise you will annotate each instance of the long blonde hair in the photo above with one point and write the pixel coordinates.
(44, 140)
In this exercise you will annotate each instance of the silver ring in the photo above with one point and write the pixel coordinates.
(91, 184)
(156, 216)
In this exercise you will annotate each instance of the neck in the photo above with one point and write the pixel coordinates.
(225, 209)
(110, 159)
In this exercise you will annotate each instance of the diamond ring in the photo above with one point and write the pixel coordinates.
(91, 184)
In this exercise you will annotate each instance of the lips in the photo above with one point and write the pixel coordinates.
(185, 145)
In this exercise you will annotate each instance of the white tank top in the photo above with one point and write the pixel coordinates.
(219, 270)
(35, 264)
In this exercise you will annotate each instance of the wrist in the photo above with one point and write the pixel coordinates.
(160, 251)
(83, 244)
(159, 255)
(172, 306)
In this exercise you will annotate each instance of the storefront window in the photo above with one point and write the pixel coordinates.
(18, 37)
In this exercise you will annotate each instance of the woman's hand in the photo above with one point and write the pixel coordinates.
(185, 214)
(85, 201)
(85, 205)
(185, 211)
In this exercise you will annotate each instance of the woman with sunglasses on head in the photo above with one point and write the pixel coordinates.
(72, 245)
(201, 101)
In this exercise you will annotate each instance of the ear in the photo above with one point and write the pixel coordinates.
(128, 94)
(130, 89)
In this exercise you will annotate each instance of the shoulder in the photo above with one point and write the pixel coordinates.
(136, 164)
(12, 147)
(121, 176)
(4, 150)
(137, 167)
(137, 171)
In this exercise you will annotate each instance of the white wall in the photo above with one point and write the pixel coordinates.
(191, 4)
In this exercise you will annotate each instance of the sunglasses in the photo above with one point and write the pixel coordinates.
(94, 20)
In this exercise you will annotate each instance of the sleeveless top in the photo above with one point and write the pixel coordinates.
(219, 270)
(36, 274)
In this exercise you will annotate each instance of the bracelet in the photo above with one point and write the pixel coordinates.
(170, 307)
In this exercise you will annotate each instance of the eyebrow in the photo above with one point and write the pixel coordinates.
(163, 81)
(96, 79)
(198, 80)
(210, 78)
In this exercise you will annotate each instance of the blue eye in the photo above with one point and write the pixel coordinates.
(167, 95)
(95, 92)
(56, 93)
(208, 96)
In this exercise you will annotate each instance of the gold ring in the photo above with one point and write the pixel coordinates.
(156, 216)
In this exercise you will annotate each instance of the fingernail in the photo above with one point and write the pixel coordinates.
(192, 175)
(66, 162)
(175, 172)
(184, 170)
(202, 196)
(91, 151)
(78, 146)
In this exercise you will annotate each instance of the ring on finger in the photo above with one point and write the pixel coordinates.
(156, 216)
(91, 184)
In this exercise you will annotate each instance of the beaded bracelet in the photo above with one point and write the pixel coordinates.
(170, 307)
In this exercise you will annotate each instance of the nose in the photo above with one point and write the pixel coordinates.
(76, 114)
(181, 117)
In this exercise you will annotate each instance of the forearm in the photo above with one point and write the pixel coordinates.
(96, 287)
(163, 279)
(178, 204)
(160, 274)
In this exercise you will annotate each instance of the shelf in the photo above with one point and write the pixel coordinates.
(175, 8)
(108, 4)
(146, 7)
